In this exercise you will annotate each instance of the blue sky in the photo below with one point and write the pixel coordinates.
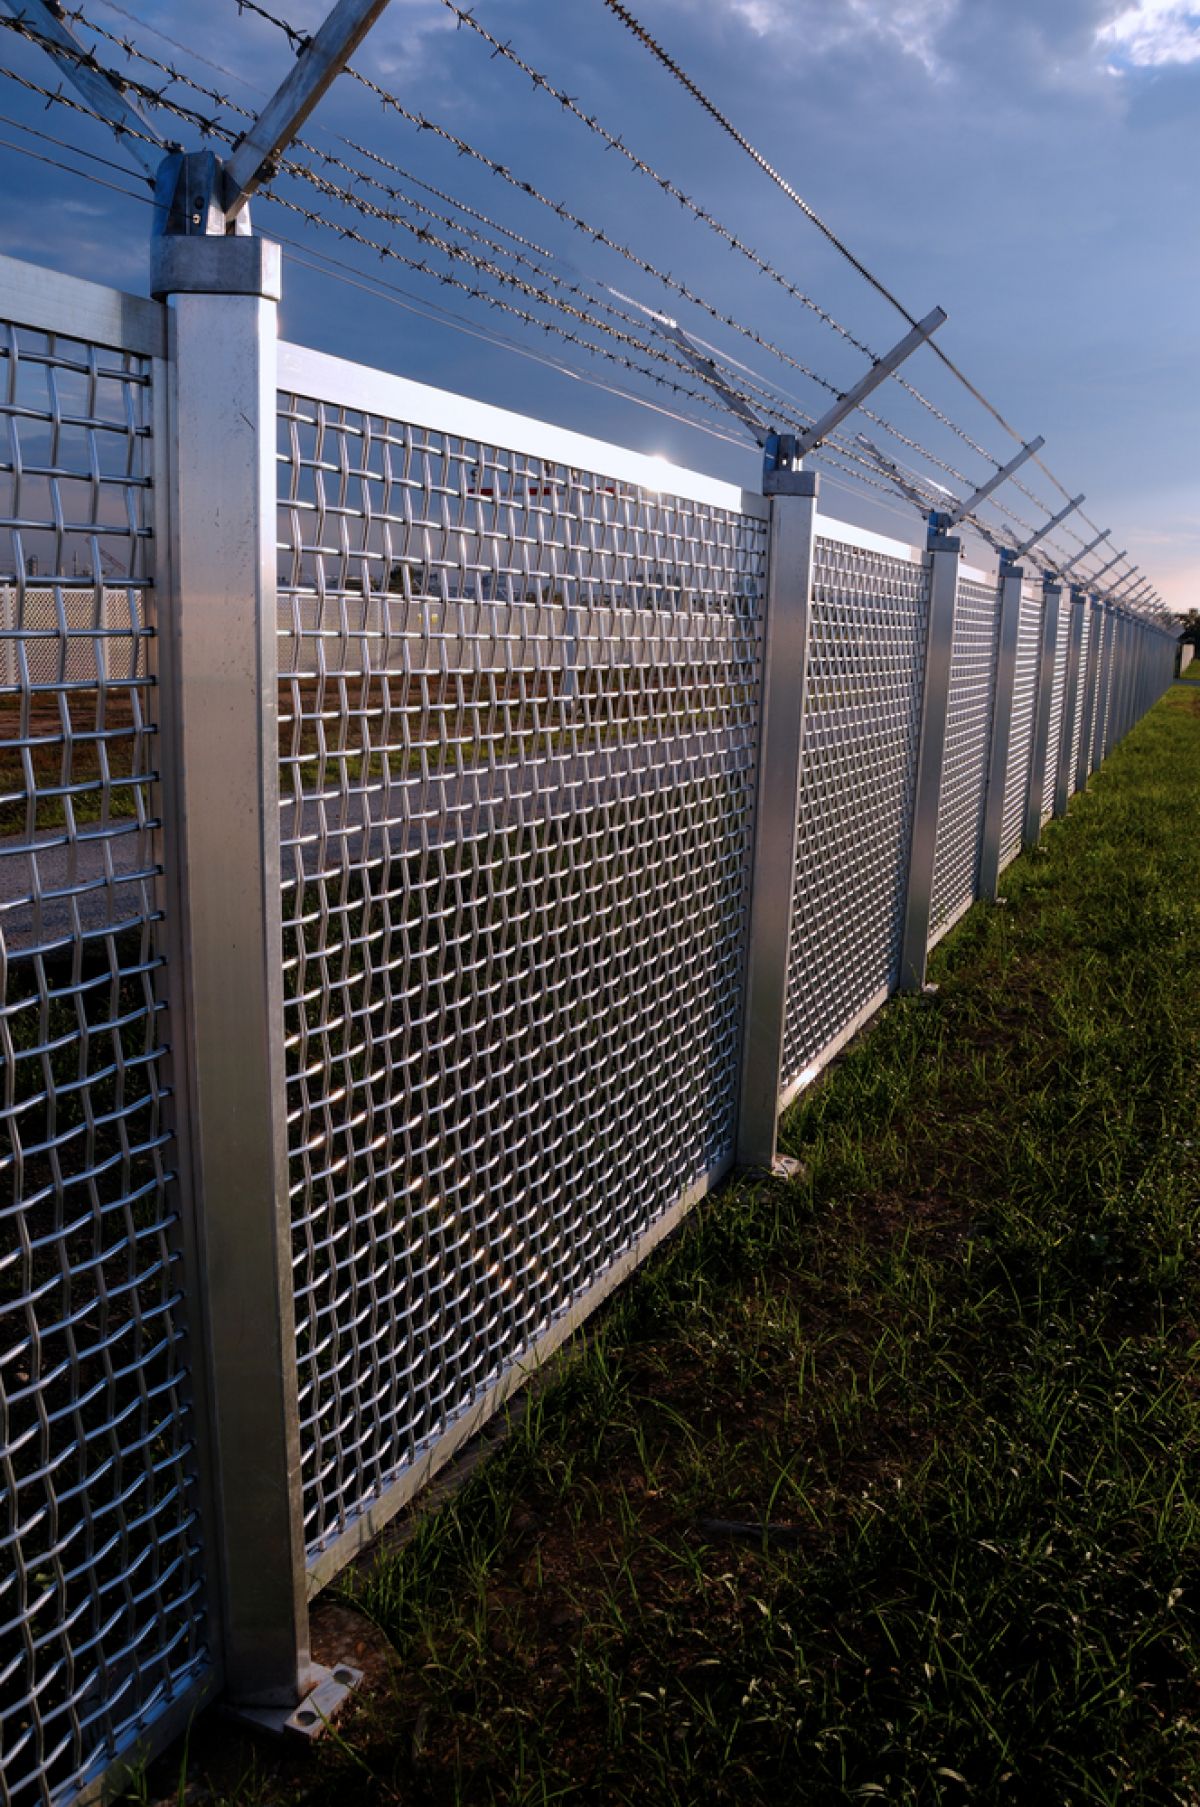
(1030, 165)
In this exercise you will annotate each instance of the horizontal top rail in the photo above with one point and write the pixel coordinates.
(49, 302)
(338, 382)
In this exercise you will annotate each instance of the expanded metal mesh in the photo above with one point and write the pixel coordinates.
(1020, 742)
(963, 796)
(519, 718)
(1058, 695)
(101, 1603)
(866, 671)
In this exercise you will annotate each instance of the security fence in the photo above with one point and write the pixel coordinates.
(435, 846)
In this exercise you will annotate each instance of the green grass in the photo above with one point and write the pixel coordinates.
(954, 1371)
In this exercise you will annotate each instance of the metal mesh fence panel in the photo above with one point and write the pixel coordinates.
(1079, 727)
(866, 672)
(1020, 744)
(101, 1600)
(968, 742)
(1058, 696)
(519, 710)
(1110, 684)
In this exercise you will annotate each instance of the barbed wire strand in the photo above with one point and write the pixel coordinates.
(175, 74)
(569, 104)
(211, 126)
(663, 57)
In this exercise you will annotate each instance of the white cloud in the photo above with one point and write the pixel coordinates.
(910, 27)
(1152, 33)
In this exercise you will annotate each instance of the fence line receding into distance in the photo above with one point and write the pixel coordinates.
(406, 913)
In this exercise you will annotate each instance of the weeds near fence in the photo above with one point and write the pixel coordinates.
(882, 1484)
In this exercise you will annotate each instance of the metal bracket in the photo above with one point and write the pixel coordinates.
(961, 510)
(783, 474)
(941, 541)
(201, 195)
(236, 265)
(878, 373)
(311, 1717)
(253, 158)
(191, 190)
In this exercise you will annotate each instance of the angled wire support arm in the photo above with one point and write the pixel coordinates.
(1095, 577)
(1034, 538)
(706, 368)
(100, 91)
(318, 66)
(901, 482)
(879, 371)
(961, 510)
(1083, 552)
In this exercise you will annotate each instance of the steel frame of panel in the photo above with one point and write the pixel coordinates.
(772, 889)
(223, 429)
(114, 324)
(944, 562)
(1012, 582)
(1041, 726)
(1071, 705)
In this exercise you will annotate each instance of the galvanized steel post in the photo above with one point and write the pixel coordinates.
(785, 665)
(1052, 602)
(1072, 700)
(222, 347)
(1012, 579)
(944, 558)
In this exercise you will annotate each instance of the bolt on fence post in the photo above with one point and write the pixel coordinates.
(223, 295)
(1052, 602)
(944, 557)
(773, 882)
(1072, 701)
(1012, 579)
